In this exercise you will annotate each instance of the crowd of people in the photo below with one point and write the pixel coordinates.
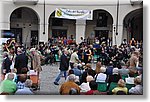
(118, 70)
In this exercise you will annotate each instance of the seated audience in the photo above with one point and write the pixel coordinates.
(138, 89)
(21, 82)
(87, 71)
(76, 70)
(66, 87)
(98, 67)
(121, 87)
(73, 91)
(8, 85)
(93, 86)
(114, 77)
(26, 90)
(130, 79)
(123, 71)
(101, 77)
(14, 71)
(85, 86)
(109, 69)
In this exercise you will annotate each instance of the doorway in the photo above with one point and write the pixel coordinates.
(59, 33)
(102, 35)
(34, 38)
(18, 34)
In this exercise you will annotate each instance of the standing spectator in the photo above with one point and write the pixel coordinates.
(12, 57)
(35, 60)
(21, 62)
(134, 60)
(6, 63)
(132, 42)
(74, 58)
(66, 87)
(64, 66)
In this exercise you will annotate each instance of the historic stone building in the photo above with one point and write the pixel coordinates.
(35, 19)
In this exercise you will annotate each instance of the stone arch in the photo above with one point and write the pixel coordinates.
(102, 23)
(24, 23)
(133, 24)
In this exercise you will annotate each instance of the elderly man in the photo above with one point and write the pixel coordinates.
(35, 60)
(8, 86)
(64, 66)
(67, 86)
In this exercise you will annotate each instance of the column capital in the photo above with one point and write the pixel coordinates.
(43, 23)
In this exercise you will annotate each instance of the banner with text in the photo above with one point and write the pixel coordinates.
(74, 14)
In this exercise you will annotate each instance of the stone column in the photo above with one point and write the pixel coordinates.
(43, 37)
(80, 30)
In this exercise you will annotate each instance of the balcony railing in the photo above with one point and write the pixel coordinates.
(26, 2)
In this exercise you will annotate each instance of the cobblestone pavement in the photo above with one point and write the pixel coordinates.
(47, 77)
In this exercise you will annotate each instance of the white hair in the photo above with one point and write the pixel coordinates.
(71, 77)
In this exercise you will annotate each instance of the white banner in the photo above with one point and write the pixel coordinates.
(74, 14)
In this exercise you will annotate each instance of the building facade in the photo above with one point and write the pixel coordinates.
(33, 21)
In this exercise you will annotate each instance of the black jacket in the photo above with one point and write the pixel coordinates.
(64, 63)
(21, 61)
(6, 64)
